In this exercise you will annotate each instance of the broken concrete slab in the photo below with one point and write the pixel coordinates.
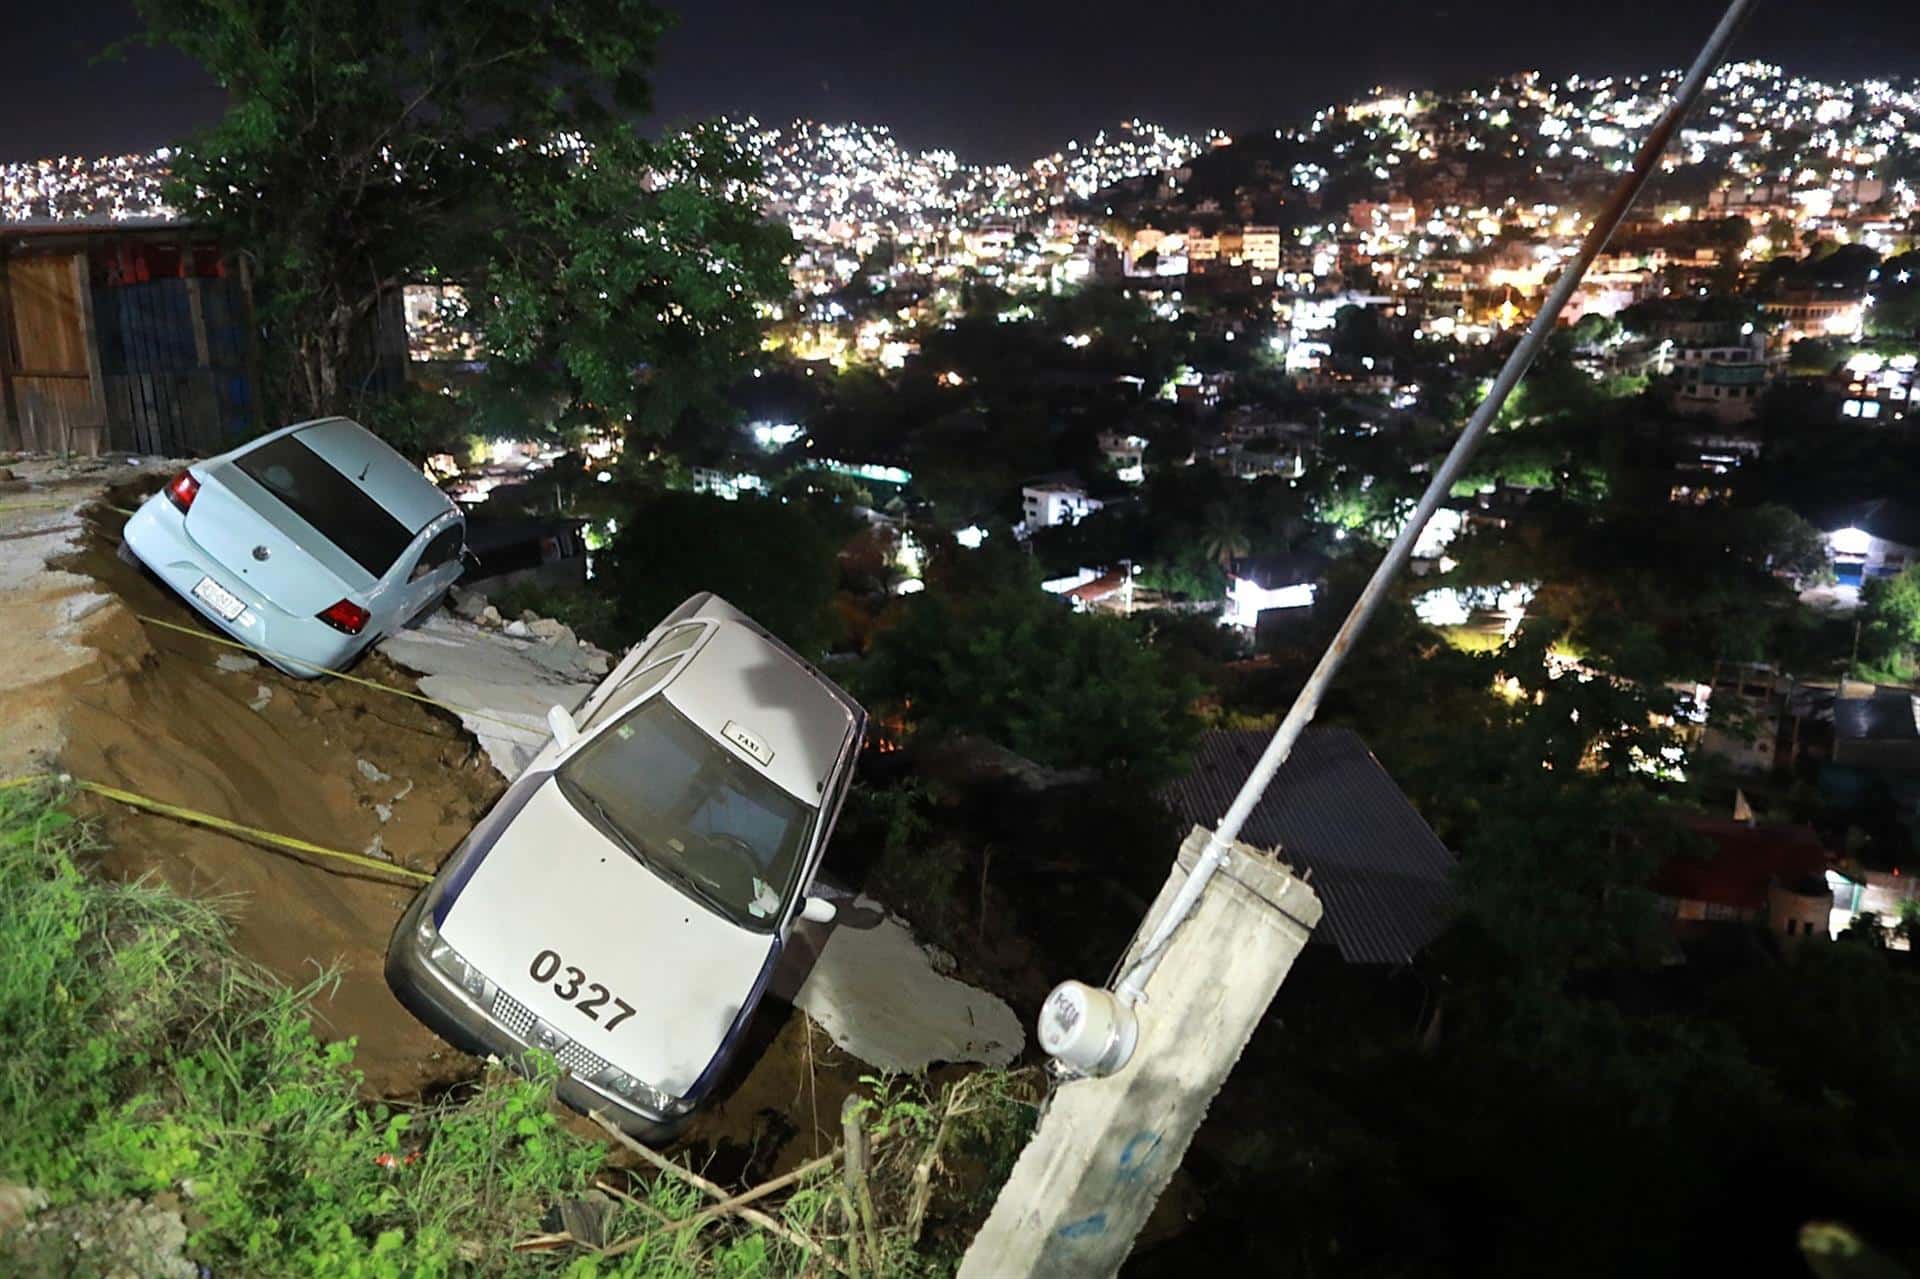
(875, 991)
(236, 663)
(509, 683)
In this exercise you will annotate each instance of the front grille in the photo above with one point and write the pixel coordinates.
(519, 1020)
(579, 1061)
(514, 1015)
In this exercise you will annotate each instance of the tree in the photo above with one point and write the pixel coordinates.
(1896, 298)
(368, 146)
(767, 559)
(1018, 666)
(1225, 535)
(1774, 538)
(1891, 621)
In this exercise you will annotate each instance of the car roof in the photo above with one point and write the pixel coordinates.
(389, 479)
(743, 676)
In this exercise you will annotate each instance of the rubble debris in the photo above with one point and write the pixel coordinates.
(236, 663)
(467, 605)
(125, 1239)
(262, 695)
(875, 991)
(371, 771)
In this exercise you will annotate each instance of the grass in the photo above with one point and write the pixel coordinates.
(148, 1064)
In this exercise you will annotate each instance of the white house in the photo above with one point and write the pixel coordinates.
(1125, 454)
(1875, 539)
(1049, 503)
(1266, 582)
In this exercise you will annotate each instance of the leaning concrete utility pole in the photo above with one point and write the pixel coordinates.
(1140, 1078)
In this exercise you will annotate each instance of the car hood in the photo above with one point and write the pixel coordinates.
(232, 518)
(553, 882)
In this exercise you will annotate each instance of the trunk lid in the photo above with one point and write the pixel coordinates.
(232, 518)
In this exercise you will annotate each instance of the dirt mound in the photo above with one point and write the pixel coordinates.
(191, 722)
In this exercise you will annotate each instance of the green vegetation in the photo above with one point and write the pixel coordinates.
(150, 1070)
(1018, 666)
(1890, 632)
(592, 615)
(767, 558)
(364, 148)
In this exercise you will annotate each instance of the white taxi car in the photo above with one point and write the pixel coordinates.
(624, 904)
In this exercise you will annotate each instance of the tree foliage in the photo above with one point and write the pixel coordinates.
(1020, 667)
(767, 559)
(366, 146)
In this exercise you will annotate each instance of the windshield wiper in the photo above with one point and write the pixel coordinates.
(659, 865)
(686, 879)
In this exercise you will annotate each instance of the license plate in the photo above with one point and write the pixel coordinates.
(219, 599)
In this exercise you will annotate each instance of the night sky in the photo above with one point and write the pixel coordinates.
(1003, 79)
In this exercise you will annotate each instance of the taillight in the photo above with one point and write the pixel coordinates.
(182, 489)
(345, 616)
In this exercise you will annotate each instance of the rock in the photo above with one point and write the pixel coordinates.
(261, 697)
(376, 849)
(942, 960)
(517, 629)
(489, 617)
(468, 604)
(17, 1203)
(6, 473)
(384, 812)
(124, 1240)
(596, 662)
(235, 663)
(371, 771)
(552, 632)
(529, 616)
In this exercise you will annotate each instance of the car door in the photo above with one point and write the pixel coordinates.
(429, 575)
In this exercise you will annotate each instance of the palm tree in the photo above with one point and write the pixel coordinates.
(1225, 537)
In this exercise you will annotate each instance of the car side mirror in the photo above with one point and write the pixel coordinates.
(818, 910)
(560, 724)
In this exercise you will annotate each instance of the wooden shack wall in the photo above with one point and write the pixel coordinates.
(52, 401)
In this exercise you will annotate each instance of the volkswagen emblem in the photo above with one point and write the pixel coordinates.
(261, 553)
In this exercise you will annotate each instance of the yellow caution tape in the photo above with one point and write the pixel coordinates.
(197, 818)
(7, 508)
(323, 670)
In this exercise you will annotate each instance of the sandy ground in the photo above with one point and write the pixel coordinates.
(58, 630)
(85, 686)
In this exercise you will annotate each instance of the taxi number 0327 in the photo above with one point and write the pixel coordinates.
(547, 965)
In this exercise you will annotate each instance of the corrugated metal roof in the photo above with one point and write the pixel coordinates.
(1889, 715)
(1382, 874)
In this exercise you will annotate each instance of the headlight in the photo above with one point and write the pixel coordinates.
(449, 962)
(643, 1094)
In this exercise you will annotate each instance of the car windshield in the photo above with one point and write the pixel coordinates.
(688, 808)
(337, 508)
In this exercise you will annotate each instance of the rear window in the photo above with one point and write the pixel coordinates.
(337, 508)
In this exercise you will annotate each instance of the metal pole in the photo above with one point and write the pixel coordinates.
(1132, 985)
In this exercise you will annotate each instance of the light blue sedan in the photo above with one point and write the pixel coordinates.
(307, 544)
